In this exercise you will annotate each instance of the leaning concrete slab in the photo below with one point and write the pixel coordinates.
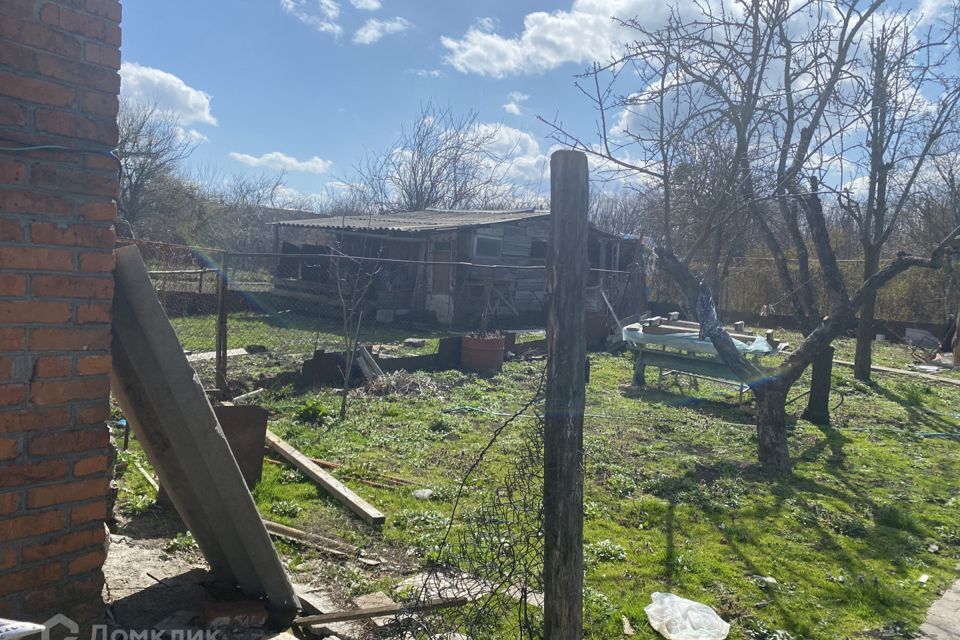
(166, 406)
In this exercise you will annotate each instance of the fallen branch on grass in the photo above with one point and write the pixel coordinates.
(320, 543)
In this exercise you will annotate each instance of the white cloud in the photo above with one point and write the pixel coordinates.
(191, 135)
(514, 100)
(426, 73)
(281, 161)
(375, 29)
(366, 5)
(167, 92)
(583, 34)
(526, 163)
(320, 14)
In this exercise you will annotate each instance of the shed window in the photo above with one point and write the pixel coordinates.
(538, 249)
(488, 247)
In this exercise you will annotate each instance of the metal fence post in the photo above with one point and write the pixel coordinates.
(222, 290)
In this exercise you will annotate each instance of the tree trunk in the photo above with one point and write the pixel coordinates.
(772, 447)
(863, 358)
(821, 376)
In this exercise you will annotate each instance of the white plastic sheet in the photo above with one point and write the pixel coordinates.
(677, 618)
(12, 629)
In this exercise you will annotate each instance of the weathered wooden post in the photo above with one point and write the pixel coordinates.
(563, 431)
(221, 357)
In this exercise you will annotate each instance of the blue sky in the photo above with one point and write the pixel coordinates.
(293, 79)
(311, 85)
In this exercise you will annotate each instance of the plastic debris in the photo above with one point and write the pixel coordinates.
(677, 618)
(11, 629)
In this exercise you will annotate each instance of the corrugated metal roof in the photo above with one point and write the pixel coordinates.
(427, 220)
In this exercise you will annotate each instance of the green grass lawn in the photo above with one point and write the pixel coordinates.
(674, 499)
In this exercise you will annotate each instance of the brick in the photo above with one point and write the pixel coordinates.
(93, 512)
(99, 211)
(81, 74)
(9, 448)
(30, 579)
(103, 161)
(74, 182)
(30, 202)
(87, 562)
(30, 525)
(52, 366)
(12, 339)
(87, 287)
(94, 365)
(9, 502)
(12, 284)
(16, 57)
(63, 544)
(94, 414)
(30, 473)
(91, 262)
(8, 558)
(63, 493)
(46, 600)
(89, 466)
(12, 172)
(97, 103)
(105, 56)
(20, 420)
(47, 392)
(81, 24)
(70, 339)
(20, 8)
(69, 441)
(82, 235)
(34, 34)
(11, 394)
(13, 114)
(109, 9)
(35, 258)
(76, 126)
(93, 313)
(33, 311)
(37, 91)
(10, 230)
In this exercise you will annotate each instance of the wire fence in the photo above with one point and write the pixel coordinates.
(226, 307)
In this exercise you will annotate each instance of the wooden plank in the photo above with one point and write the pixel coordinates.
(375, 612)
(678, 328)
(168, 410)
(331, 485)
(905, 372)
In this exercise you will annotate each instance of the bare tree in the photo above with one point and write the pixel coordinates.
(905, 129)
(152, 149)
(440, 160)
(764, 80)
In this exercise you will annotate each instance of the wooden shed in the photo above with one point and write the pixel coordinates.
(448, 267)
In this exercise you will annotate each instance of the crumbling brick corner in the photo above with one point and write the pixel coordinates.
(59, 86)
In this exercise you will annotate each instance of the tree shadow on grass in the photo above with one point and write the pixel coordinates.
(829, 521)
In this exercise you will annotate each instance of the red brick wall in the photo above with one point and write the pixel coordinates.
(58, 86)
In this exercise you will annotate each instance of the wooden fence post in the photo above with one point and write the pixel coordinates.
(221, 361)
(567, 270)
